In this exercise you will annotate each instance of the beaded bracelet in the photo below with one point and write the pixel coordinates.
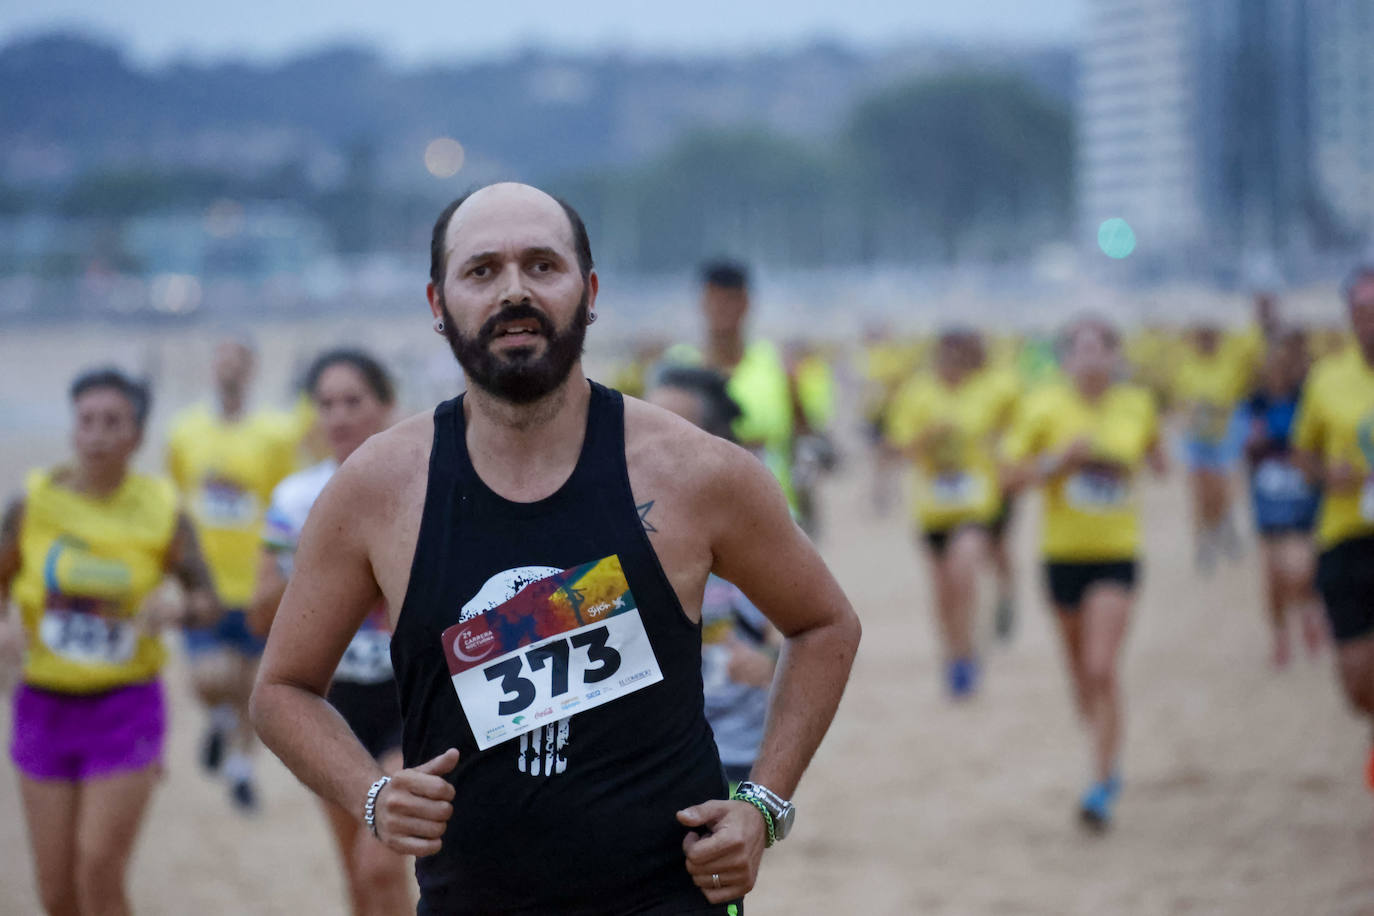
(763, 809)
(370, 808)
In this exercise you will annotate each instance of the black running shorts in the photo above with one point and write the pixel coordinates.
(1069, 582)
(1345, 578)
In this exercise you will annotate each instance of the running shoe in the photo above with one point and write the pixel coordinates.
(1095, 808)
(244, 796)
(1005, 618)
(961, 676)
(212, 750)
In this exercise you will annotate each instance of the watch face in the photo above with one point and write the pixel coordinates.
(782, 825)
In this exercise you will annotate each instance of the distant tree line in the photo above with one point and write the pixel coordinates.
(965, 165)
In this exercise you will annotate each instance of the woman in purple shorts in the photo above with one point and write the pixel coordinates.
(82, 553)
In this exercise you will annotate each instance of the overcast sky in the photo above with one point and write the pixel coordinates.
(417, 30)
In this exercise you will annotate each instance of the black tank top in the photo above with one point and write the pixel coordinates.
(577, 816)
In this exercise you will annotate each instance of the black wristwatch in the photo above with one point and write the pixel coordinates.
(782, 811)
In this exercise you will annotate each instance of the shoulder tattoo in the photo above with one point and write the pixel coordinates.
(643, 510)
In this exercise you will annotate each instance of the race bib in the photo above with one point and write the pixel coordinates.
(1367, 501)
(1276, 479)
(222, 504)
(367, 660)
(1097, 491)
(956, 489)
(87, 639)
(564, 644)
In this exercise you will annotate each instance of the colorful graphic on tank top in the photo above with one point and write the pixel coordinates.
(566, 642)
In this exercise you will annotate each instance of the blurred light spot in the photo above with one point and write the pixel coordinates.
(1116, 238)
(224, 219)
(175, 294)
(444, 157)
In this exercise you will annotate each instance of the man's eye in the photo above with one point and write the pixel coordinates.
(479, 271)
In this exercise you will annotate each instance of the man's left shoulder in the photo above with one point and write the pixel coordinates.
(661, 446)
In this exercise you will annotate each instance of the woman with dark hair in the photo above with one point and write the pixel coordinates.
(1084, 440)
(83, 553)
(1285, 502)
(353, 396)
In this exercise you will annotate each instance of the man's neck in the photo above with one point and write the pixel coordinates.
(526, 451)
(94, 484)
(724, 351)
(231, 406)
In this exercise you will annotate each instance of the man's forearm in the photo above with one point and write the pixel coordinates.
(812, 671)
(315, 743)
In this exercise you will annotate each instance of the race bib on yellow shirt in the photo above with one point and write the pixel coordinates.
(564, 644)
(1097, 490)
(223, 504)
(87, 639)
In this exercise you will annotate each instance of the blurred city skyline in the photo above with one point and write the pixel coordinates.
(157, 32)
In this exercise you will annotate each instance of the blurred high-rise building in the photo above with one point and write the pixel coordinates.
(1341, 39)
(1138, 154)
(1235, 136)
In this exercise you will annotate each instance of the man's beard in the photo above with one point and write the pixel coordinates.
(517, 375)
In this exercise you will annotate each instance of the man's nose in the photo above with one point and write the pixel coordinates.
(512, 287)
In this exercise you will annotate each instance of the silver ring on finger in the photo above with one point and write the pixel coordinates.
(715, 881)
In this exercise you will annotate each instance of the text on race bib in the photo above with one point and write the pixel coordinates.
(223, 504)
(1097, 491)
(367, 660)
(564, 644)
(87, 639)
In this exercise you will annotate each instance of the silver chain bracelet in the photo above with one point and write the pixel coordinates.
(370, 809)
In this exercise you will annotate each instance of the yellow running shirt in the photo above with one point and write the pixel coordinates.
(1335, 422)
(954, 479)
(1092, 514)
(86, 565)
(226, 473)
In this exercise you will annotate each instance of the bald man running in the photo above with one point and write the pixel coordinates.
(543, 545)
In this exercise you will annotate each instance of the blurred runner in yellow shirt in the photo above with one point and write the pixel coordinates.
(225, 462)
(885, 366)
(83, 553)
(1213, 377)
(944, 423)
(1335, 436)
(1084, 441)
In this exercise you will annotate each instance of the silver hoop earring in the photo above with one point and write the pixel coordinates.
(591, 317)
(438, 325)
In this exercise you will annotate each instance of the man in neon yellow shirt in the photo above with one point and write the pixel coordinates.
(758, 379)
(1335, 438)
(225, 462)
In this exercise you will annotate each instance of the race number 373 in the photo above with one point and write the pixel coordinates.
(510, 682)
